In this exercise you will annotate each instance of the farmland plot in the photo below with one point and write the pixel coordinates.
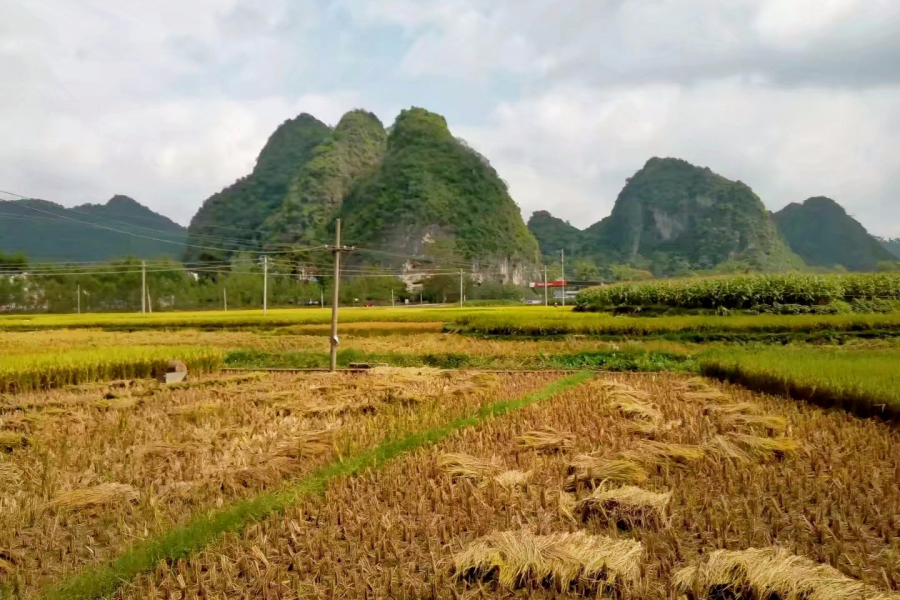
(87, 471)
(651, 487)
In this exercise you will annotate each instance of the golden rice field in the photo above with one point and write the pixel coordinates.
(90, 470)
(423, 338)
(627, 486)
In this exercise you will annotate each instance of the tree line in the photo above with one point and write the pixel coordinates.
(116, 286)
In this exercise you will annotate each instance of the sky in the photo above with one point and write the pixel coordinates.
(170, 101)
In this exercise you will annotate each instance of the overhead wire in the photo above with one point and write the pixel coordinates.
(201, 237)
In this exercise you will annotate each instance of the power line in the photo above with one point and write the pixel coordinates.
(230, 241)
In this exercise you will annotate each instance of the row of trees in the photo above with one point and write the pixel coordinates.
(116, 286)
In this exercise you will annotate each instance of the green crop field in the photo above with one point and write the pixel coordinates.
(866, 382)
(762, 292)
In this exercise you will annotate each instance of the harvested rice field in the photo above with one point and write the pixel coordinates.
(89, 471)
(628, 486)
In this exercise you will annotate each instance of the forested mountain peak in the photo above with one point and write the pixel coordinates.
(413, 190)
(241, 208)
(121, 227)
(352, 151)
(684, 217)
(433, 195)
(823, 234)
(554, 234)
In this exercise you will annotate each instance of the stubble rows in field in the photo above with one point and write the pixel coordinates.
(617, 487)
(90, 470)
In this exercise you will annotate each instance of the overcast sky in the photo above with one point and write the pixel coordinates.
(169, 101)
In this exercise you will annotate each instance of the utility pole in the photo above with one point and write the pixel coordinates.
(336, 249)
(149, 303)
(461, 291)
(562, 254)
(143, 287)
(265, 285)
(322, 298)
(392, 298)
(225, 298)
(546, 303)
(79, 299)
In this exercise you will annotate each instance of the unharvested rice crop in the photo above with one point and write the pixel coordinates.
(92, 480)
(685, 328)
(397, 531)
(867, 383)
(24, 372)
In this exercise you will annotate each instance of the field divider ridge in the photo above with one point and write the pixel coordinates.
(177, 543)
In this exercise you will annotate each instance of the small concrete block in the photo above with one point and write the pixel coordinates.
(175, 377)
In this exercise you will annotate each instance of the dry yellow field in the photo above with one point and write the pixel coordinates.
(88, 471)
(425, 339)
(620, 486)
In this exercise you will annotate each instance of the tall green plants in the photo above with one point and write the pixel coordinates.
(744, 291)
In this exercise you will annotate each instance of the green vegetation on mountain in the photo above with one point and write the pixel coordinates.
(673, 218)
(435, 196)
(823, 234)
(672, 211)
(230, 220)
(122, 227)
(418, 191)
(892, 245)
(354, 150)
(554, 234)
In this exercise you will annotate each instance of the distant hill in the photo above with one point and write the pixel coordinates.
(823, 234)
(92, 232)
(677, 217)
(415, 191)
(892, 245)
(554, 234)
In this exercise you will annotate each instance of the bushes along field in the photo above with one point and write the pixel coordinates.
(746, 292)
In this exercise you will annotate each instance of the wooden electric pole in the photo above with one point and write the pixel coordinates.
(265, 285)
(79, 299)
(336, 250)
(143, 287)
(562, 254)
(461, 290)
(546, 302)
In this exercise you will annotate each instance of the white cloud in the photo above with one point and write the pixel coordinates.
(572, 148)
(170, 101)
(793, 22)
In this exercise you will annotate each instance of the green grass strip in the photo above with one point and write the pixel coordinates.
(96, 582)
